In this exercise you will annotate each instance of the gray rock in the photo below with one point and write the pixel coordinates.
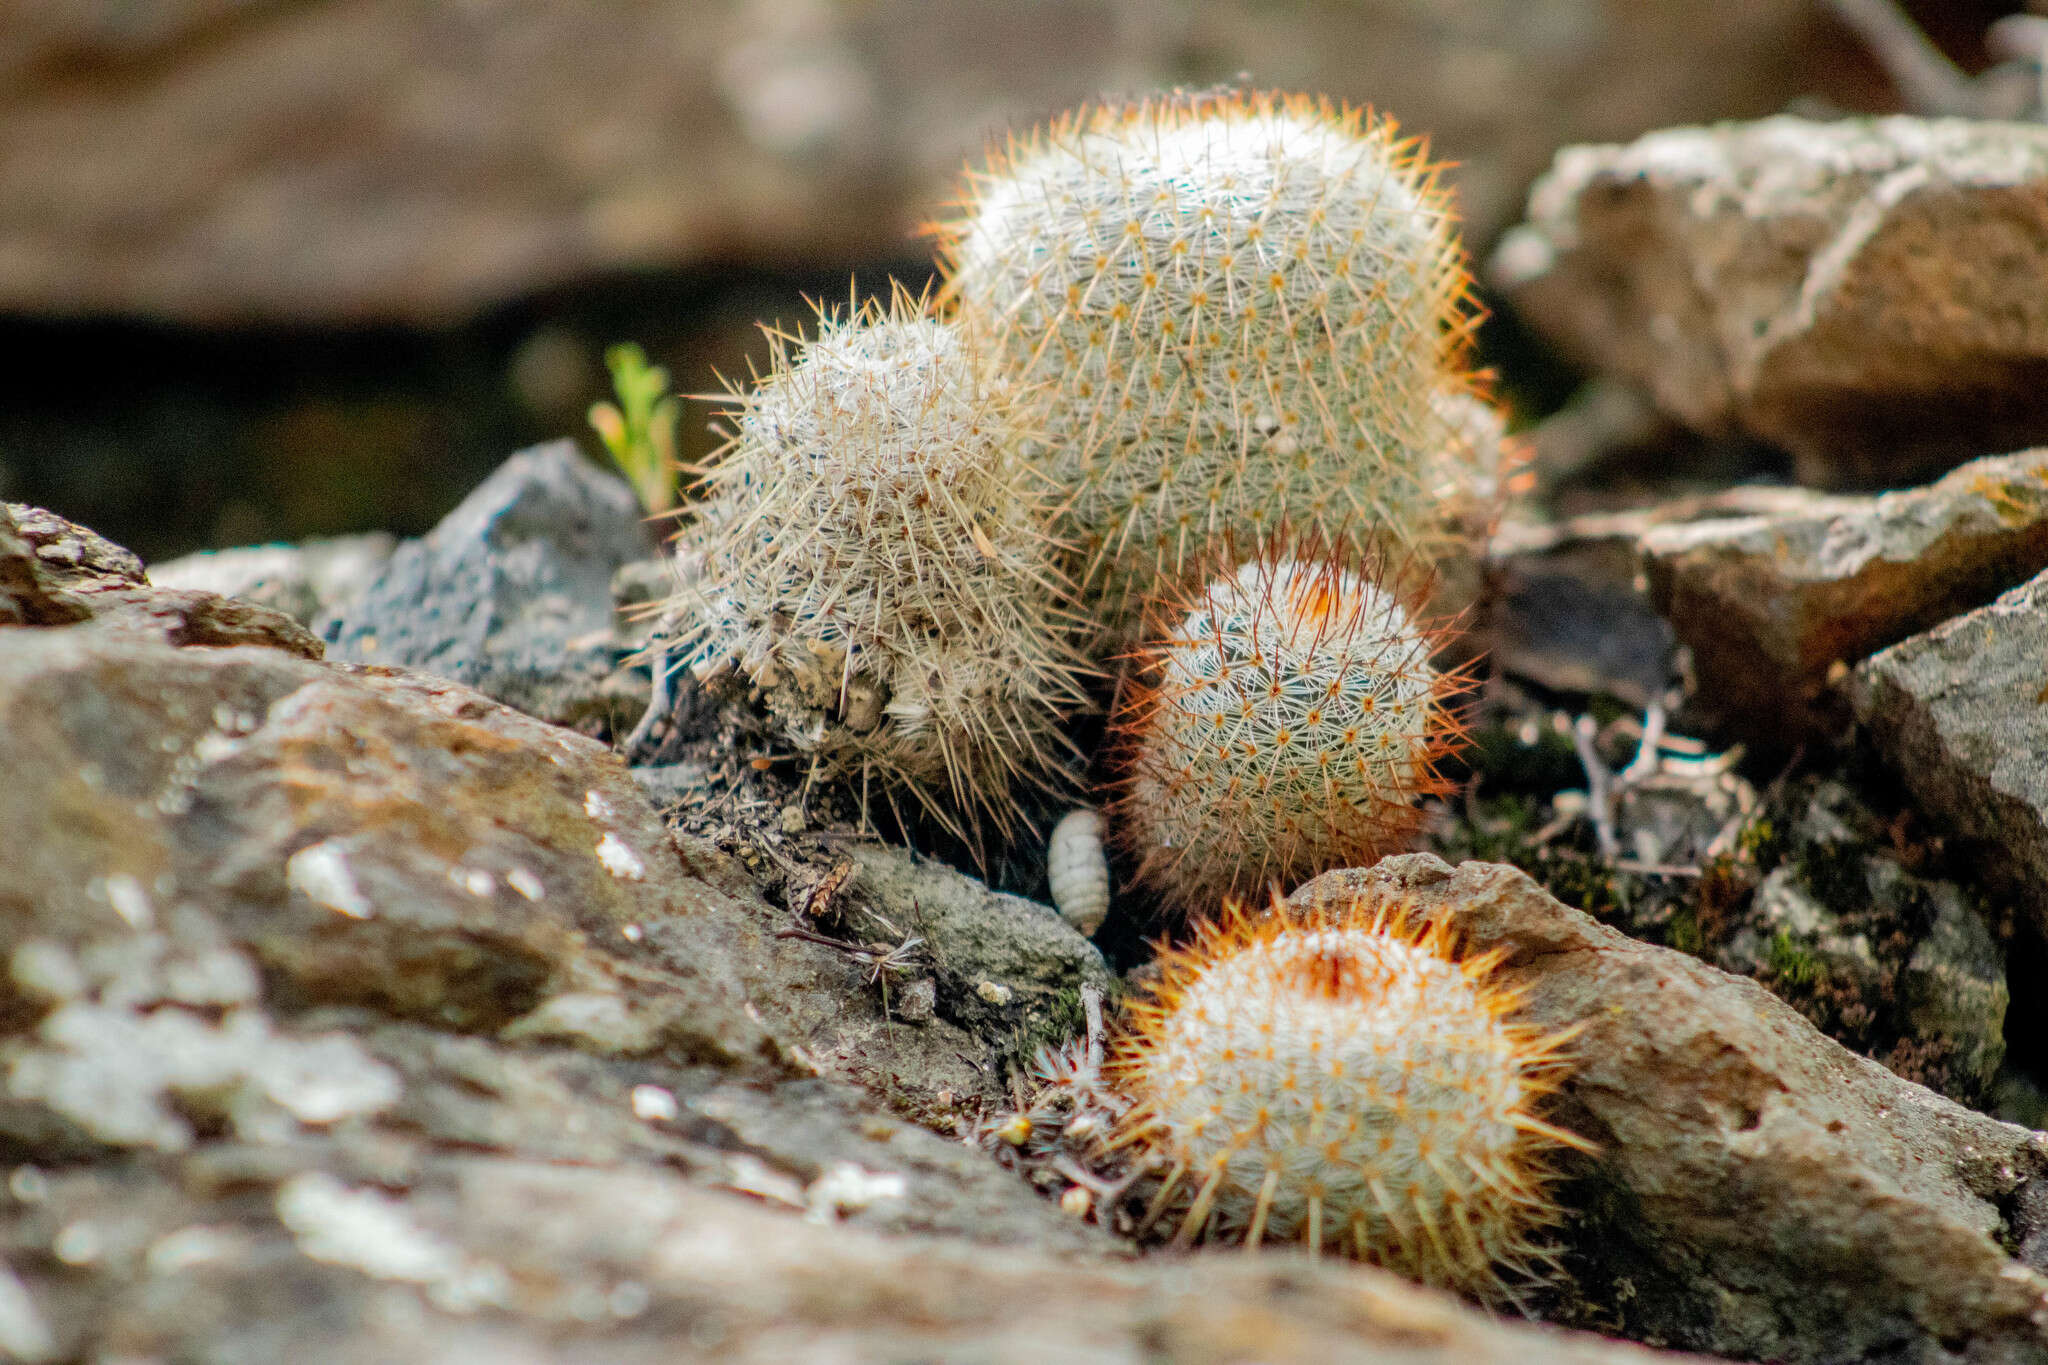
(1861, 293)
(1961, 712)
(55, 573)
(1772, 604)
(300, 580)
(1761, 1192)
(1003, 965)
(511, 593)
(1568, 610)
(474, 1257)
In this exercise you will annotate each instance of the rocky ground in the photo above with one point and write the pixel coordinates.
(365, 1004)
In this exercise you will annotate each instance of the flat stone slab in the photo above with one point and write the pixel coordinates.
(1772, 603)
(1864, 293)
(1962, 713)
(1764, 1192)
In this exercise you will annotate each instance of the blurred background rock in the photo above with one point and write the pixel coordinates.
(273, 270)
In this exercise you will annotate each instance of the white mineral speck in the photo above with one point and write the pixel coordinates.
(77, 1243)
(320, 872)
(596, 807)
(47, 970)
(130, 901)
(619, 859)
(846, 1188)
(654, 1103)
(525, 883)
(24, 1334)
(367, 1231)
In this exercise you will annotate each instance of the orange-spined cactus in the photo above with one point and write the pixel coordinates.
(1346, 1080)
(1286, 720)
(1235, 309)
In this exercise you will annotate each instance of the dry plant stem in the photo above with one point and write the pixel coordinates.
(1926, 80)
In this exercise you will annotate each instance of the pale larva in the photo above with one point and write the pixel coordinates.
(1079, 870)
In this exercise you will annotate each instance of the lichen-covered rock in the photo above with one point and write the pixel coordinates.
(1891, 961)
(487, 1256)
(1961, 712)
(1762, 1192)
(1003, 964)
(1864, 293)
(54, 573)
(511, 592)
(302, 580)
(1770, 603)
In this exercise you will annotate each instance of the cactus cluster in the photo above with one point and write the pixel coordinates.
(1239, 307)
(1286, 722)
(1165, 328)
(1168, 331)
(871, 557)
(1347, 1081)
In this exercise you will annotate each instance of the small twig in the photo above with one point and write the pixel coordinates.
(1599, 788)
(1091, 1008)
(1647, 756)
(1657, 869)
(659, 703)
(1926, 80)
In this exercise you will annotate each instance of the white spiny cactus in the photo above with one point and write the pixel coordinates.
(1236, 308)
(872, 557)
(1347, 1081)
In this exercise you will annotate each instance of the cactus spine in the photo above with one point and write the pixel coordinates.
(1240, 306)
(1287, 722)
(1348, 1082)
(871, 557)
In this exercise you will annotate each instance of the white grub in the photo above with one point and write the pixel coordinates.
(1078, 869)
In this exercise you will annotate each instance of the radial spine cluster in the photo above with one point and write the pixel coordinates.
(1286, 723)
(1345, 1080)
(1239, 307)
(871, 556)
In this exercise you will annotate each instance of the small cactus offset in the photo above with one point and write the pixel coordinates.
(1346, 1081)
(1239, 306)
(1287, 721)
(871, 557)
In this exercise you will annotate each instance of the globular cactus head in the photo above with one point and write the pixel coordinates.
(870, 557)
(1286, 720)
(1240, 306)
(1346, 1080)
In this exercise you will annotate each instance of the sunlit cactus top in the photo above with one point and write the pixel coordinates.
(1239, 306)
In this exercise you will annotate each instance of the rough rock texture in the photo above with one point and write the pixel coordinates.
(1763, 1192)
(1962, 713)
(1770, 603)
(1864, 293)
(1000, 962)
(490, 1258)
(1882, 956)
(1569, 607)
(55, 573)
(352, 1016)
(185, 159)
(511, 592)
(302, 581)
